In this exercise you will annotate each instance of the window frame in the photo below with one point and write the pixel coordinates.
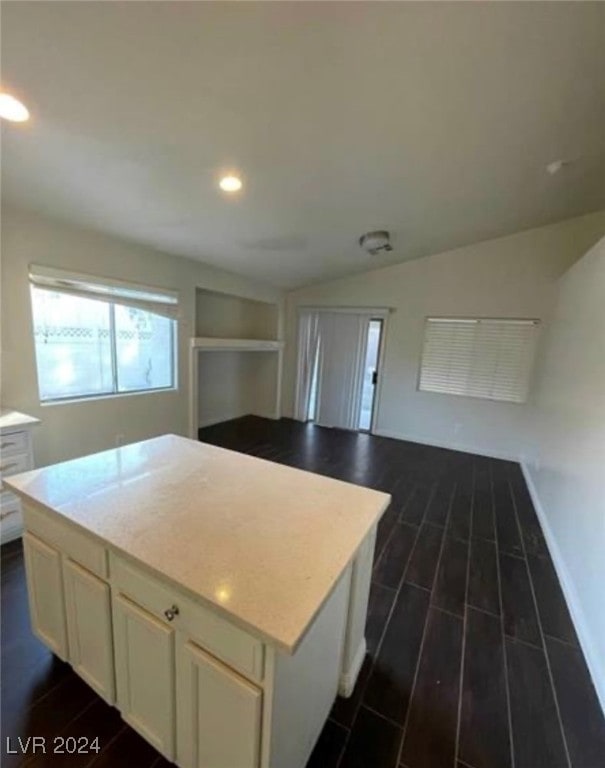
(114, 392)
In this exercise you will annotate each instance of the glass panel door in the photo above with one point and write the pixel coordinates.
(370, 375)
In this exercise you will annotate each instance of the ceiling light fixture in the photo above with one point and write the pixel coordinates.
(556, 166)
(12, 109)
(230, 184)
(376, 242)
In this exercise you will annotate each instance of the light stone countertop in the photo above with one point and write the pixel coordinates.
(262, 543)
(12, 420)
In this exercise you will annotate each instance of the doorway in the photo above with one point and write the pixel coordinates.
(370, 375)
(348, 383)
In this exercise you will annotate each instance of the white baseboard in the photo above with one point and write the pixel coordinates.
(578, 617)
(451, 446)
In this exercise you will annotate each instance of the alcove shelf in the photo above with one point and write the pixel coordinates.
(235, 359)
(210, 343)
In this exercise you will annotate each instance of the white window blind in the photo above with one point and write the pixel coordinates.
(486, 358)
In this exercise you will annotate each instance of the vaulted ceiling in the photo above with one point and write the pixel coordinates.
(433, 120)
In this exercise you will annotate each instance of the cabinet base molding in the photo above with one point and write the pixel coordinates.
(348, 677)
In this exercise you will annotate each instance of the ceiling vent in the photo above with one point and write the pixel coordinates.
(376, 242)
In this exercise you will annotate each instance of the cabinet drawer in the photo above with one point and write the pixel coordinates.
(12, 465)
(14, 442)
(79, 546)
(221, 638)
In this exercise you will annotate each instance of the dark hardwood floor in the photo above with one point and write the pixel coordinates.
(473, 660)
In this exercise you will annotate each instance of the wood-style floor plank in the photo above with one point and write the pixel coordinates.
(374, 743)
(98, 722)
(329, 746)
(430, 737)
(414, 510)
(507, 530)
(483, 577)
(127, 750)
(552, 608)
(389, 570)
(459, 523)
(483, 524)
(520, 620)
(484, 740)
(49, 717)
(439, 505)
(583, 719)
(537, 736)
(449, 591)
(423, 562)
(379, 607)
(390, 685)
(533, 538)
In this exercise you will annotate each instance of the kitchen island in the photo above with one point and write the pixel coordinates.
(218, 600)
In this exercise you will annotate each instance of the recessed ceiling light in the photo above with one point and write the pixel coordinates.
(556, 166)
(12, 109)
(230, 184)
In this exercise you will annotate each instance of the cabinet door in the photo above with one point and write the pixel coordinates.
(88, 609)
(45, 590)
(219, 713)
(144, 659)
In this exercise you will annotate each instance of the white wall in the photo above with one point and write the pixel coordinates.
(226, 316)
(512, 276)
(233, 384)
(565, 462)
(75, 429)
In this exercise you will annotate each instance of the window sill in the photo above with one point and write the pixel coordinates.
(110, 396)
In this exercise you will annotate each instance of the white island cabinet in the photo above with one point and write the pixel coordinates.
(218, 600)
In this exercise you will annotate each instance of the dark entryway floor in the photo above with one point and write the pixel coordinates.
(473, 660)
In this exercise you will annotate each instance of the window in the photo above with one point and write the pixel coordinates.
(95, 339)
(484, 358)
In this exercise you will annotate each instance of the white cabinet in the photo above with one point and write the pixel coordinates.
(16, 456)
(220, 713)
(88, 610)
(144, 660)
(45, 588)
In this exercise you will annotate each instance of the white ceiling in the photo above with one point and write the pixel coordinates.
(435, 121)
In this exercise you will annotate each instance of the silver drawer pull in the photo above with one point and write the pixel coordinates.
(4, 515)
(10, 465)
(170, 613)
(6, 445)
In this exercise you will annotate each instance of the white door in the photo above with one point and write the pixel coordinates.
(45, 588)
(144, 659)
(88, 609)
(219, 713)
